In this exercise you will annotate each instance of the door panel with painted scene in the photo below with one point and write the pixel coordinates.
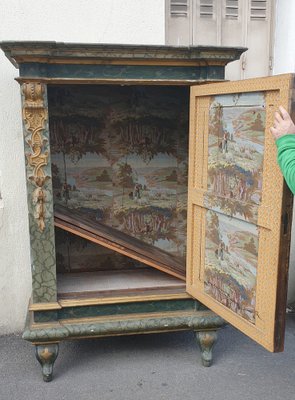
(237, 257)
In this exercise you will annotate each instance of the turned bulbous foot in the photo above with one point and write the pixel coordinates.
(46, 355)
(206, 341)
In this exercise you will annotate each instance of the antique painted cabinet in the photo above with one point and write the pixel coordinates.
(151, 194)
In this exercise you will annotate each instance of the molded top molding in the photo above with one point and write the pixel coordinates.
(82, 53)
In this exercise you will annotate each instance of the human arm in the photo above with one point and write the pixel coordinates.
(284, 133)
(286, 158)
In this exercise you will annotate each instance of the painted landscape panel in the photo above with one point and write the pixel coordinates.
(231, 263)
(120, 154)
(235, 163)
(236, 147)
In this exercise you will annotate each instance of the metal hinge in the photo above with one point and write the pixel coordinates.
(244, 63)
(270, 63)
(285, 223)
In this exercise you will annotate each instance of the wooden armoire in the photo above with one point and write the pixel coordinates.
(154, 198)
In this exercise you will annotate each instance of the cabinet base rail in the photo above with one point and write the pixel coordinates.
(46, 336)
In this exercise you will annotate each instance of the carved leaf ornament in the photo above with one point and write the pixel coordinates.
(35, 116)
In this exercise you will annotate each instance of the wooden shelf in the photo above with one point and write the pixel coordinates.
(112, 283)
(77, 223)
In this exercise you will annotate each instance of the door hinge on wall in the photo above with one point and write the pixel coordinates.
(243, 63)
(270, 63)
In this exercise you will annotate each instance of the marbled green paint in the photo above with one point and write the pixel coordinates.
(196, 320)
(42, 243)
(45, 316)
(75, 71)
(117, 309)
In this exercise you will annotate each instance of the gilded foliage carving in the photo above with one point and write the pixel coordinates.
(35, 116)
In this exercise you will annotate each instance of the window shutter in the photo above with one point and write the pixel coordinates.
(178, 8)
(258, 10)
(232, 9)
(206, 9)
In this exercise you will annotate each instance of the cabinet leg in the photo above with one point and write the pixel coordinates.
(46, 355)
(206, 341)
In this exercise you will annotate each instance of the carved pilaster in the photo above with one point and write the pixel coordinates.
(35, 116)
(39, 189)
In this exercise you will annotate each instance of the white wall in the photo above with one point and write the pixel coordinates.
(89, 21)
(284, 61)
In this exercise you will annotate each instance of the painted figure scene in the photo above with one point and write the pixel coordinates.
(236, 146)
(231, 263)
(120, 154)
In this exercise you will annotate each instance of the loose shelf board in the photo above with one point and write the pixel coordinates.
(102, 284)
(79, 224)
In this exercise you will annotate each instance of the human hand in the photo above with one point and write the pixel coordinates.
(282, 124)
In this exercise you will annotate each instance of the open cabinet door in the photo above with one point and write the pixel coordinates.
(239, 208)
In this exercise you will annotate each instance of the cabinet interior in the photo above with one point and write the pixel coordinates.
(119, 158)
